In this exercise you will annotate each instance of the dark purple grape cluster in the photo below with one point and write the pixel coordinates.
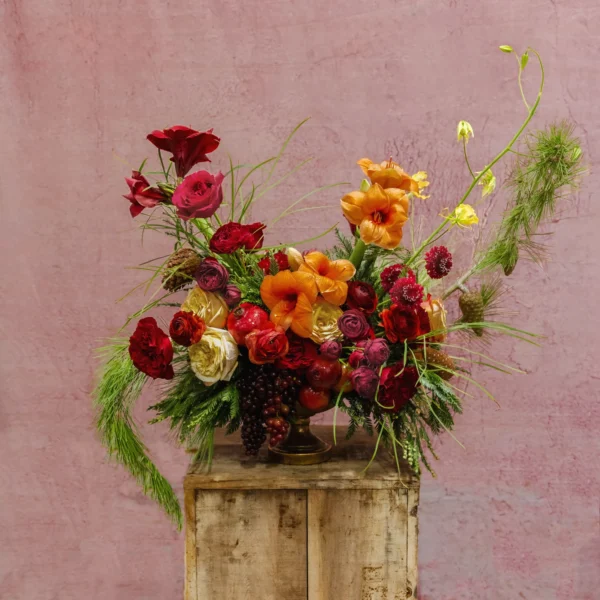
(267, 398)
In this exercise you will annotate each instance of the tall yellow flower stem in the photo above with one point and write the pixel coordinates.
(475, 181)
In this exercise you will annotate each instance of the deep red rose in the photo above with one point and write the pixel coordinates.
(186, 328)
(188, 146)
(404, 322)
(301, 353)
(141, 195)
(211, 275)
(361, 296)
(397, 385)
(267, 345)
(199, 195)
(235, 236)
(151, 350)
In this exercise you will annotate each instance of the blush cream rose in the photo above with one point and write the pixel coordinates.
(215, 357)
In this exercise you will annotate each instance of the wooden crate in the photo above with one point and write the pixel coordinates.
(260, 531)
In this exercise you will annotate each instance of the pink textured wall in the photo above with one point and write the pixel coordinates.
(515, 515)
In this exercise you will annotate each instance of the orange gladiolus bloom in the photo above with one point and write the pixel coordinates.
(389, 174)
(379, 213)
(290, 298)
(330, 276)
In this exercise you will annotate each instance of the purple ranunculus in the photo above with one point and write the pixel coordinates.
(377, 352)
(365, 382)
(211, 275)
(331, 349)
(232, 295)
(354, 325)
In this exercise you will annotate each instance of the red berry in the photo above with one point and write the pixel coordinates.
(245, 318)
(314, 399)
(324, 373)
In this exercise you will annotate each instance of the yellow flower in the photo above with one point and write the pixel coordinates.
(208, 306)
(488, 181)
(389, 174)
(463, 216)
(437, 318)
(379, 213)
(295, 258)
(464, 131)
(325, 318)
(214, 357)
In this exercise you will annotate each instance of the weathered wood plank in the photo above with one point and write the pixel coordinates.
(412, 543)
(233, 470)
(251, 544)
(357, 544)
(189, 505)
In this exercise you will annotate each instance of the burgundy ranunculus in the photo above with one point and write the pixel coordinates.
(188, 146)
(301, 354)
(331, 349)
(232, 295)
(199, 195)
(357, 359)
(151, 350)
(186, 328)
(365, 382)
(404, 322)
(397, 386)
(235, 236)
(377, 352)
(141, 195)
(354, 325)
(211, 275)
(361, 296)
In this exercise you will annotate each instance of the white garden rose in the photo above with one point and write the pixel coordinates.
(214, 358)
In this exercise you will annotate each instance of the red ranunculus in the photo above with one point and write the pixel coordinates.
(211, 275)
(141, 195)
(199, 195)
(264, 264)
(404, 322)
(151, 350)
(267, 345)
(235, 236)
(361, 296)
(188, 146)
(280, 258)
(186, 328)
(397, 385)
(301, 354)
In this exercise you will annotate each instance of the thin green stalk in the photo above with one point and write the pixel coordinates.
(358, 253)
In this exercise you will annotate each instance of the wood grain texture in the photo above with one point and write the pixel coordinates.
(412, 543)
(357, 544)
(189, 503)
(232, 470)
(250, 544)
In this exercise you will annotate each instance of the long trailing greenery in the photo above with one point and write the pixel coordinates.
(120, 384)
(547, 170)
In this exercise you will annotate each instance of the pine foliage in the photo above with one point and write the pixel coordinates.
(118, 388)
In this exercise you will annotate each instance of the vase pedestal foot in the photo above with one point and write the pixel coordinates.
(301, 447)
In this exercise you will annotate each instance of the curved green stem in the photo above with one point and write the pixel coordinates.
(464, 141)
(358, 253)
(477, 179)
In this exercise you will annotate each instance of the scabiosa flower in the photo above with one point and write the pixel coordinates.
(438, 262)
(391, 274)
(406, 292)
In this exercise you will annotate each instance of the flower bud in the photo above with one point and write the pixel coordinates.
(464, 131)
(295, 258)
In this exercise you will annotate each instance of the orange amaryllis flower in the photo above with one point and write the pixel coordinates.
(379, 213)
(330, 276)
(290, 298)
(389, 174)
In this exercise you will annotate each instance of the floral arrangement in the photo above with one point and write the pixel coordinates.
(257, 335)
